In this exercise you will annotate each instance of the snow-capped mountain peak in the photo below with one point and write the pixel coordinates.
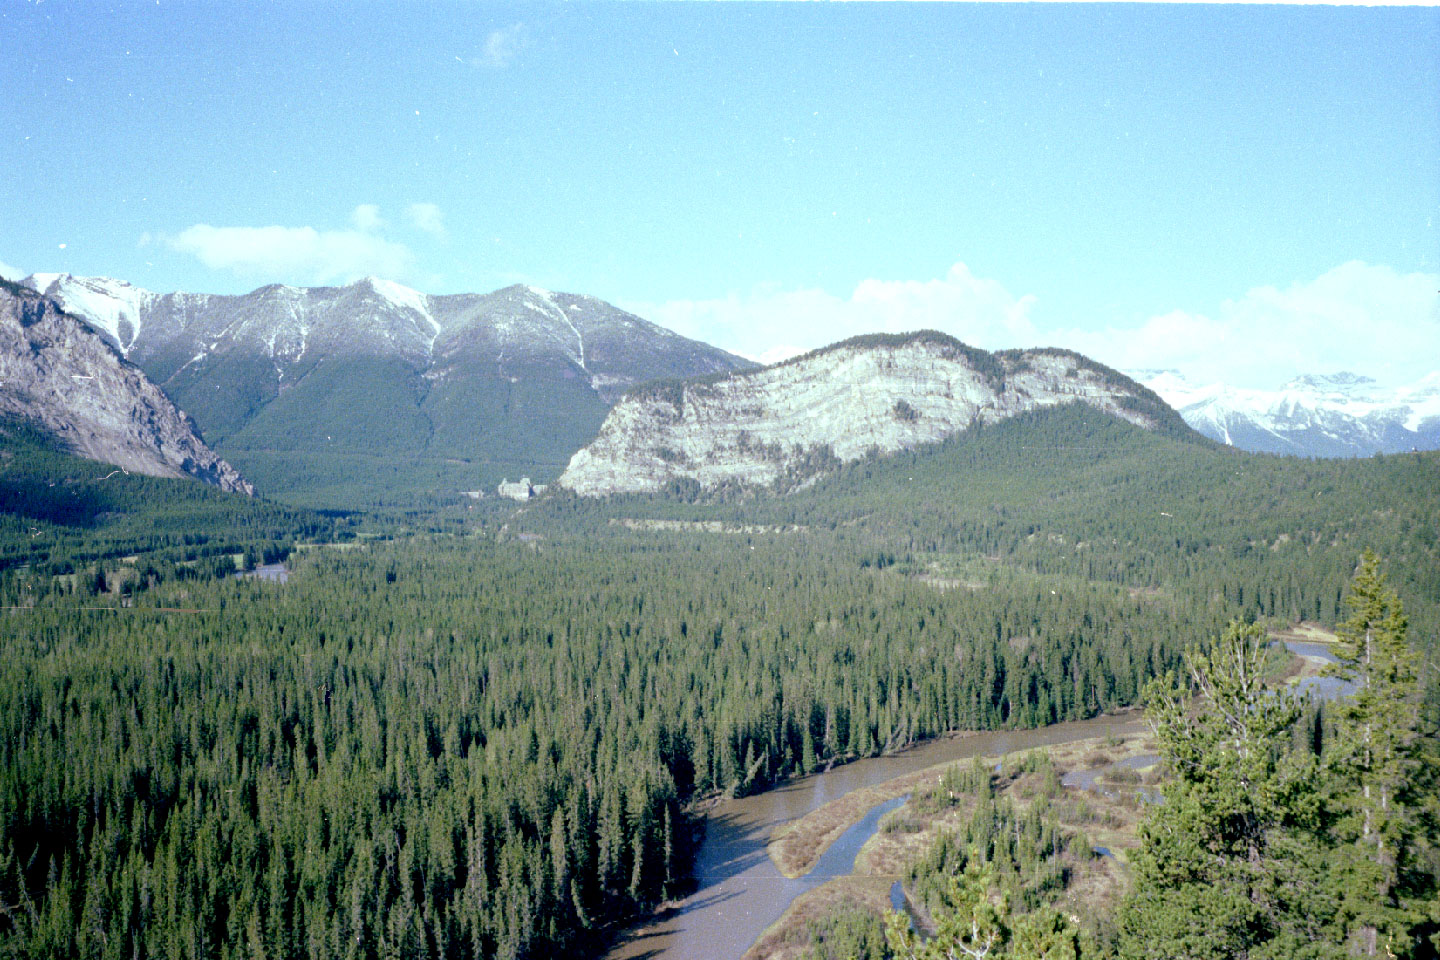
(1351, 384)
(515, 370)
(1326, 415)
(113, 307)
(405, 298)
(401, 296)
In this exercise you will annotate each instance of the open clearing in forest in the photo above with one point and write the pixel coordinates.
(1305, 632)
(704, 526)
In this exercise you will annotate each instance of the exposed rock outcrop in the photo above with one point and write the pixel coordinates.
(784, 424)
(60, 375)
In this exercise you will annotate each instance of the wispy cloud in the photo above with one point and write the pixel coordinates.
(503, 46)
(296, 254)
(427, 217)
(366, 217)
(1359, 317)
(1368, 319)
(13, 274)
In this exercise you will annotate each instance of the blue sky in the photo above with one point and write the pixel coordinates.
(1236, 191)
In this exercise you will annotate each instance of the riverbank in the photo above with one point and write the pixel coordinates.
(1100, 819)
(739, 892)
(794, 847)
(756, 861)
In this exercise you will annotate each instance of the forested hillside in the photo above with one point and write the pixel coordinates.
(479, 739)
(480, 745)
(60, 513)
(1071, 493)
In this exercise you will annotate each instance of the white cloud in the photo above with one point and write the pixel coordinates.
(366, 217)
(503, 46)
(775, 354)
(1367, 319)
(300, 254)
(13, 274)
(427, 217)
(976, 310)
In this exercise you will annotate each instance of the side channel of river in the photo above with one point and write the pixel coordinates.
(739, 892)
(1325, 688)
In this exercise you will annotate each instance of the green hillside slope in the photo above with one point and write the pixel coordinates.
(60, 513)
(1075, 493)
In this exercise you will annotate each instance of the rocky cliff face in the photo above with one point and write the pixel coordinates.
(783, 424)
(59, 374)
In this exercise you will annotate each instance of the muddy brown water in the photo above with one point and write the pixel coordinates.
(739, 892)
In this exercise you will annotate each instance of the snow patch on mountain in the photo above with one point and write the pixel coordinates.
(453, 362)
(406, 299)
(113, 307)
(541, 301)
(1324, 415)
(1423, 399)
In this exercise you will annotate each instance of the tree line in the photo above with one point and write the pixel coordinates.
(1285, 828)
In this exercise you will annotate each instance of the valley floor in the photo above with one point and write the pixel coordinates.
(1105, 812)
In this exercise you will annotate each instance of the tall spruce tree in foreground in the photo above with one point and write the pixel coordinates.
(1383, 787)
(1224, 866)
(977, 924)
(1262, 849)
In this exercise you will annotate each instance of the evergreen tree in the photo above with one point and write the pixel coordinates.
(1210, 877)
(976, 922)
(1375, 760)
(1278, 839)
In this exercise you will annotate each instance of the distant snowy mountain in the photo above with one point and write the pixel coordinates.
(1339, 415)
(318, 386)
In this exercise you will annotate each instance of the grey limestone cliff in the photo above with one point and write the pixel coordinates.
(780, 425)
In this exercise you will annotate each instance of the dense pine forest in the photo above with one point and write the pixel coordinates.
(479, 732)
(1288, 827)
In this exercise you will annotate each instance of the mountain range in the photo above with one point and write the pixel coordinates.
(349, 395)
(1336, 415)
(321, 393)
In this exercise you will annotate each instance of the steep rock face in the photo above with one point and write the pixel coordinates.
(60, 375)
(879, 394)
(1336, 415)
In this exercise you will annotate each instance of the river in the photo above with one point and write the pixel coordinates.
(739, 892)
(1323, 688)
